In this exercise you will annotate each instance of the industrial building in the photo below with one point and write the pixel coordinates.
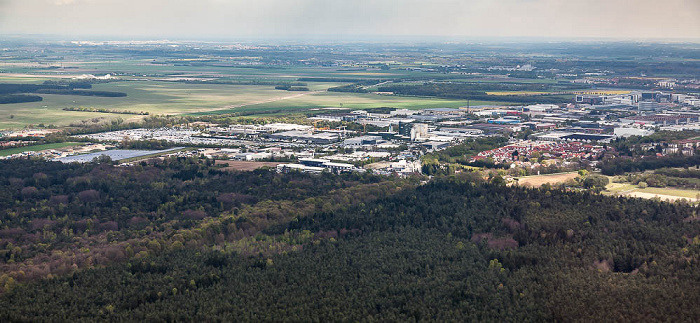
(363, 141)
(313, 165)
(305, 136)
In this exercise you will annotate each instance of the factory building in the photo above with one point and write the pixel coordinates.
(305, 136)
(313, 165)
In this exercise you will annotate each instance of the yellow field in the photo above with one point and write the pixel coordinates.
(539, 180)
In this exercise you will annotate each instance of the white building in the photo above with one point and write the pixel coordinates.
(628, 132)
(419, 131)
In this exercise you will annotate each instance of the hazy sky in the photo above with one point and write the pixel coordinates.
(191, 19)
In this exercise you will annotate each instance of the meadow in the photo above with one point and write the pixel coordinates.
(156, 86)
(666, 193)
(168, 98)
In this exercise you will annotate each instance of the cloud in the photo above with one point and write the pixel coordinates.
(472, 18)
(64, 2)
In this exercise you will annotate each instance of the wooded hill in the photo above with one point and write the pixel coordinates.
(260, 246)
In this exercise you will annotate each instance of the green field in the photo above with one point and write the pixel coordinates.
(12, 151)
(351, 101)
(158, 97)
(154, 88)
(650, 192)
(152, 97)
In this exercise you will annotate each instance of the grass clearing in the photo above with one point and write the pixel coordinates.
(150, 88)
(539, 180)
(157, 97)
(12, 151)
(665, 193)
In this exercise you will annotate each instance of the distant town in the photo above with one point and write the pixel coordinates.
(555, 134)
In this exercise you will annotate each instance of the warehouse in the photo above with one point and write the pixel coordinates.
(305, 136)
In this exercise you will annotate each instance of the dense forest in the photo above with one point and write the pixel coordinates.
(181, 239)
(12, 90)
(291, 88)
(104, 110)
(19, 98)
(619, 166)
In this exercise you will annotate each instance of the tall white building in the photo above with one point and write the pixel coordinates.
(419, 131)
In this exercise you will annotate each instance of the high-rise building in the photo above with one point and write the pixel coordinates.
(419, 131)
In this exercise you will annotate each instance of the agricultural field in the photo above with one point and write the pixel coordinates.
(154, 80)
(12, 151)
(317, 100)
(168, 97)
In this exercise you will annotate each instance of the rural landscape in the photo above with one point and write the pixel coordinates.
(271, 177)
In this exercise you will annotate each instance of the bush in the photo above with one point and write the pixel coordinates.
(596, 181)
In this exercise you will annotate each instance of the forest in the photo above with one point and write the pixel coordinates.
(11, 92)
(181, 239)
(18, 98)
(619, 166)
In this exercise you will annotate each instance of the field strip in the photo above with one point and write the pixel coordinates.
(653, 195)
(258, 102)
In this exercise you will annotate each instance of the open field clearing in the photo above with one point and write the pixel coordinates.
(662, 197)
(670, 194)
(147, 68)
(245, 165)
(152, 97)
(19, 115)
(180, 98)
(12, 151)
(539, 180)
(29, 78)
(355, 101)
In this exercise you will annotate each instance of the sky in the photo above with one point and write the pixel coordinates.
(228, 19)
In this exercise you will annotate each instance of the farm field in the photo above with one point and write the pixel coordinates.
(317, 100)
(12, 151)
(158, 97)
(539, 180)
(152, 97)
